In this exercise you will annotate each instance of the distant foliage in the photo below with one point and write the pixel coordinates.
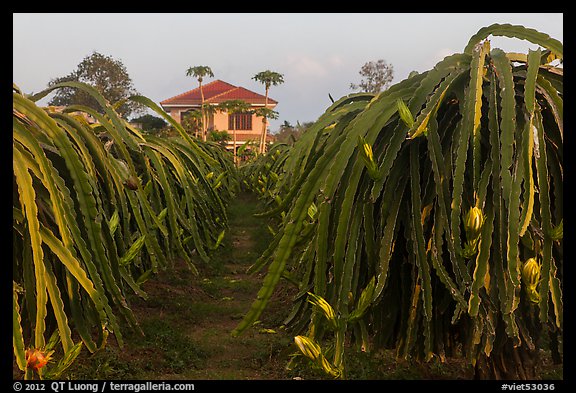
(289, 134)
(377, 76)
(150, 123)
(108, 76)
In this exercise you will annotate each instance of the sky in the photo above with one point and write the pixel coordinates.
(317, 53)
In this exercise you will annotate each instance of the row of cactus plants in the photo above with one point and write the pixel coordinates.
(438, 204)
(98, 208)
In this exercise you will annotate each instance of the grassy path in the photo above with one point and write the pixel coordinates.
(187, 319)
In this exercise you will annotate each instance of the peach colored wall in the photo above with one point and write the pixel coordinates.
(220, 122)
(176, 114)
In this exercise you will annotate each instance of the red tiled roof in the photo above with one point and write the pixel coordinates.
(216, 92)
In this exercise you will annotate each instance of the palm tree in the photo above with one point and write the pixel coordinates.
(268, 78)
(234, 106)
(200, 72)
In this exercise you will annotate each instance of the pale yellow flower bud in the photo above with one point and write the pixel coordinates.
(530, 279)
(473, 223)
(368, 152)
(531, 273)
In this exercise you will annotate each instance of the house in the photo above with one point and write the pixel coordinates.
(246, 126)
(60, 108)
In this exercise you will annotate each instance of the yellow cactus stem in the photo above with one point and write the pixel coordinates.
(364, 301)
(473, 223)
(329, 368)
(326, 308)
(308, 347)
(312, 350)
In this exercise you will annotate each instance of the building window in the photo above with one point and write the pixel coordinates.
(240, 121)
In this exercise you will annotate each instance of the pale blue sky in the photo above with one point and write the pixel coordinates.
(318, 54)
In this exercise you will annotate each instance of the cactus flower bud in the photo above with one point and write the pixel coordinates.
(473, 223)
(405, 113)
(531, 273)
(312, 211)
(365, 151)
(368, 152)
(531, 278)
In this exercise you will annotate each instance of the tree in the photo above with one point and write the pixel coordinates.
(285, 129)
(268, 78)
(289, 133)
(220, 137)
(107, 75)
(378, 76)
(264, 113)
(150, 123)
(192, 122)
(199, 72)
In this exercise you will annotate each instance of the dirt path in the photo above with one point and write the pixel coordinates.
(187, 319)
(255, 354)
